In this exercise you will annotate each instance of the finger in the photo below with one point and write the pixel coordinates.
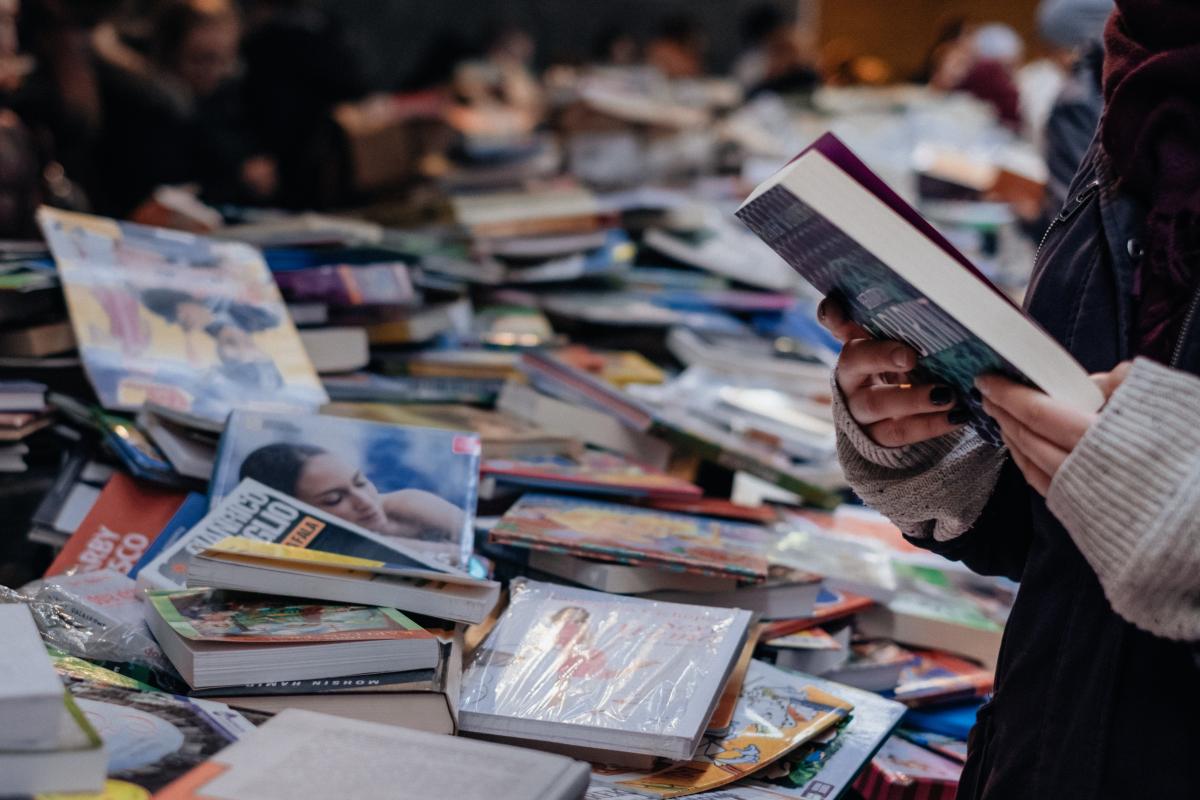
(832, 315)
(1109, 381)
(1045, 455)
(911, 430)
(862, 358)
(870, 404)
(1047, 418)
(1038, 480)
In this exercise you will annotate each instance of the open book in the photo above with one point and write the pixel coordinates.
(837, 224)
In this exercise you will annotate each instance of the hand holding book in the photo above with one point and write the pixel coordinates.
(1041, 432)
(883, 397)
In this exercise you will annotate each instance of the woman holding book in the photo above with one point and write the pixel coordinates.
(1097, 515)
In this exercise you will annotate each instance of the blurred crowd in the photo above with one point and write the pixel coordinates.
(102, 102)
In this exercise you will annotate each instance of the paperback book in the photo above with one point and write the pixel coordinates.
(591, 472)
(185, 321)
(638, 536)
(599, 672)
(416, 485)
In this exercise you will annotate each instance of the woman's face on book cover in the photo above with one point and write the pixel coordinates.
(340, 488)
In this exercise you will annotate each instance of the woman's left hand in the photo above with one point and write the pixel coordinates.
(1040, 432)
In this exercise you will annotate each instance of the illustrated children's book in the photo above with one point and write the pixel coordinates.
(188, 322)
(599, 672)
(777, 712)
(416, 485)
(903, 771)
(612, 532)
(592, 472)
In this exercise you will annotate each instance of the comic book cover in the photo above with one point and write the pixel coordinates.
(417, 485)
(207, 615)
(188, 322)
(904, 771)
(776, 713)
(938, 677)
(612, 532)
(593, 472)
(601, 670)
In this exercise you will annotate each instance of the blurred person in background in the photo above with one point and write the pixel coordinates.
(781, 57)
(616, 47)
(983, 63)
(299, 65)
(677, 48)
(20, 160)
(757, 26)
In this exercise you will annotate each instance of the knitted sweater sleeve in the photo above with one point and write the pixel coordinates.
(934, 490)
(1129, 495)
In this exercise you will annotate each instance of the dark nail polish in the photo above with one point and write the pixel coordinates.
(821, 309)
(958, 416)
(976, 396)
(941, 395)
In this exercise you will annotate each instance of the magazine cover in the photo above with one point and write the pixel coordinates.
(418, 485)
(208, 615)
(594, 472)
(588, 661)
(187, 322)
(776, 713)
(635, 536)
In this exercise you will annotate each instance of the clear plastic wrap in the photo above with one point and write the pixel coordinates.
(92, 615)
(592, 670)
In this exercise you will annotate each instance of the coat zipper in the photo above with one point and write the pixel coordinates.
(1065, 215)
(1189, 318)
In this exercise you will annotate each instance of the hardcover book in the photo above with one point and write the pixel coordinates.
(838, 225)
(589, 670)
(119, 529)
(903, 771)
(635, 536)
(348, 284)
(416, 485)
(185, 321)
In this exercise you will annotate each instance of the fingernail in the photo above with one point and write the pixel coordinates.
(976, 395)
(981, 384)
(941, 395)
(821, 309)
(958, 416)
(902, 357)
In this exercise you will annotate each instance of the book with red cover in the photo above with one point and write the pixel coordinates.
(903, 771)
(940, 677)
(831, 605)
(593, 472)
(126, 519)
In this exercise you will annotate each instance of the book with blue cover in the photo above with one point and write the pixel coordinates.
(415, 485)
(840, 226)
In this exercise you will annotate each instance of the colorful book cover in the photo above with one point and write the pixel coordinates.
(188, 515)
(776, 713)
(181, 320)
(714, 507)
(348, 284)
(637, 536)
(593, 472)
(948, 746)
(811, 639)
(503, 435)
(152, 737)
(831, 606)
(257, 512)
(940, 677)
(585, 660)
(208, 615)
(903, 771)
(122, 525)
(416, 485)
(619, 367)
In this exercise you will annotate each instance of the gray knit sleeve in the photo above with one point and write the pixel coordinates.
(1129, 495)
(933, 489)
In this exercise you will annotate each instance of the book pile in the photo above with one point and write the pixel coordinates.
(551, 482)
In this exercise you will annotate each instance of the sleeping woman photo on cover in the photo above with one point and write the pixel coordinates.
(329, 482)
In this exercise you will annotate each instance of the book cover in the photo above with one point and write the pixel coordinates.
(592, 471)
(629, 535)
(951, 748)
(941, 677)
(643, 674)
(502, 435)
(831, 605)
(416, 485)
(903, 771)
(776, 713)
(188, 322)
(370, 388)
(257, 512)
(838, 245)
(348, 284)
(119, 529)
(207, 615)
(187, 516)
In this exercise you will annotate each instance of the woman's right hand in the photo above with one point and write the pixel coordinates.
(873, 376)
